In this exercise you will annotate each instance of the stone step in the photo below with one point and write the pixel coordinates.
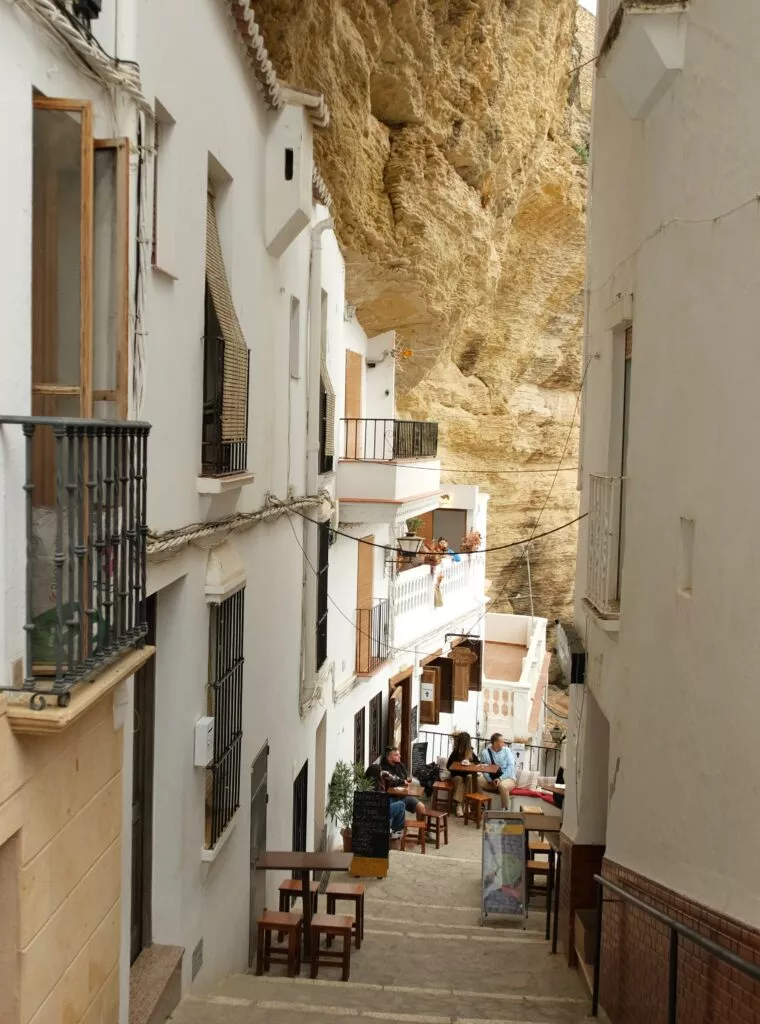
(242, 998)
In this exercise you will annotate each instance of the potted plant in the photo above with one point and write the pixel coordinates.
(470, 541)
(346, 780)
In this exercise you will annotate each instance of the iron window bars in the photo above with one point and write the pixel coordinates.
(372, 632)
(225, 704)
(85, 483)
(385, 440)
(323, 557)
(375, 727)
(359, 730)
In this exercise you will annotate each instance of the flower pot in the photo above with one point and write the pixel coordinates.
(346, 835)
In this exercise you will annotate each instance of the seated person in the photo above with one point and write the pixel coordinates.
(391, 764)
(396, 806)
(443, 547)
(503, 781)
(462, 752)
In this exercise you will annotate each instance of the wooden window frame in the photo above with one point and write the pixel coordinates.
(360, 735)
(376, 734)
(82, 391)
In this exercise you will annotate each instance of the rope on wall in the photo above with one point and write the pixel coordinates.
(172, 541)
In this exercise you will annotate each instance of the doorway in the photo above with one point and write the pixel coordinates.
(142, 794)
(365, 585)
(300, 808)
(353, 405)
(259, 801)
(400, 715)
(320, 785)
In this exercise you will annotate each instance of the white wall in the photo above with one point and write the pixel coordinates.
(674, 222)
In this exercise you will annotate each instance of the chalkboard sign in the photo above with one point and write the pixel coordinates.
(370, 828)
(419, 754)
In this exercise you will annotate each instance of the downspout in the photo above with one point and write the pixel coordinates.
(309, 603)
(126, 30)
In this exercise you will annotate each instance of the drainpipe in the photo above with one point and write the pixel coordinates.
(309, 604)
(126, 30)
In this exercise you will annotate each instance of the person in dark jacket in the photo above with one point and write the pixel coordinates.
(393, 765)
(461, 753)
(396, 806)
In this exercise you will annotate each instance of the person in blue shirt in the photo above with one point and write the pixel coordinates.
(504, 781)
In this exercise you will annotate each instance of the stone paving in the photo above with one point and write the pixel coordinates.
(425, 959)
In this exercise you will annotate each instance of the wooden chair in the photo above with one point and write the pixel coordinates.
(287, 924)
(414, 832)
(331, 926)
(474, 805)
(533, 869)
(355, 893)
(538, 846)
(291, 890)
(438, 824)
(443, 796)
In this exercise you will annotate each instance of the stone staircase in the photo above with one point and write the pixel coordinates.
(425, 960)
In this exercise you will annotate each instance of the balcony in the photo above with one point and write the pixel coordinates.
(603, 551)
(372, 634)
(386, 463)
(515, 675)
(424, 601)
(85, 524)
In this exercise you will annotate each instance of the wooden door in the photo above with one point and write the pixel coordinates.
(142, 796)
(300, 808)
(430, 695)
(446, 701)
(353, 406)
(364, 586)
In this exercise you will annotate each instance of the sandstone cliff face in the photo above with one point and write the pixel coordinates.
(456, 159)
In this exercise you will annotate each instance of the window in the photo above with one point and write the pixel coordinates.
(224, 444)
(300, 808)
(326, 402)
(359, 731)
(225, 705)
(164, 190)
(295, 339)
(323, 557)
(80, 259)
(375, 727)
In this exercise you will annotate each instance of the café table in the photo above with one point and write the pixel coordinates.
(472, 769)
(402, 791)
(303, 864)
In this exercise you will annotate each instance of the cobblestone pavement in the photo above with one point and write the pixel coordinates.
(425, 959)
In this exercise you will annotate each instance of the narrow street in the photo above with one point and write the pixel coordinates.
(424, 960)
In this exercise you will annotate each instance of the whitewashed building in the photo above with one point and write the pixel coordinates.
(662, 735)
(172, 262)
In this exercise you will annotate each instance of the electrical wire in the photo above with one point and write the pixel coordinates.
(462, 554)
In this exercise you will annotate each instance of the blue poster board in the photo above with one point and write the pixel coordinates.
(503, 875)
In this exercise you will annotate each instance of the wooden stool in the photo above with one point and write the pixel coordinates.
(291, 890)
(538, 846)
(474, 805)
(290, 924)
(438, 823)
(342, 891)
(533, 868)
(414, 832)
(330, 926)
(443, 796)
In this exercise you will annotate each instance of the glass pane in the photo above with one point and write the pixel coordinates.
(56, 246)
(105, 410)
(108, 271)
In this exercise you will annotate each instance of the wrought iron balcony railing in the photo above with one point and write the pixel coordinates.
(386, 440)
(85, 486)
(372, 632)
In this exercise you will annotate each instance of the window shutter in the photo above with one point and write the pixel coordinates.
(329, 392)
(235, 388)
(430, 696)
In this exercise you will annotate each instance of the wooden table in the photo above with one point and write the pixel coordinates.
(472, 769)
(402, 791)
(303, 864)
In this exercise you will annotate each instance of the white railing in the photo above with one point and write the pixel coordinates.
(415, 609)
(603, 555)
